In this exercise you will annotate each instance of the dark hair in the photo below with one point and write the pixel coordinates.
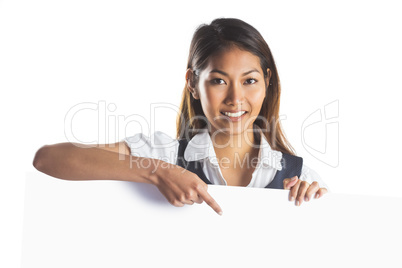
(209, 40)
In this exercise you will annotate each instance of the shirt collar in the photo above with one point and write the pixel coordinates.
(201, 147)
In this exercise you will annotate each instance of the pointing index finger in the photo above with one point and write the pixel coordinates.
(210, 201)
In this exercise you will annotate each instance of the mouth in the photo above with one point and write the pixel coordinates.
(234, 116)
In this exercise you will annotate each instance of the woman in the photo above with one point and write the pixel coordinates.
(228, 129)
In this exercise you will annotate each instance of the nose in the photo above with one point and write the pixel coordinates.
(235, 95)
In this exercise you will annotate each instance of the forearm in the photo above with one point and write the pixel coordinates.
(70, 162)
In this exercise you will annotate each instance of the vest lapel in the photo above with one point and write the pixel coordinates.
(291, 166)
(193, 166)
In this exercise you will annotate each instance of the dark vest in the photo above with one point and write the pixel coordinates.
(291, 166)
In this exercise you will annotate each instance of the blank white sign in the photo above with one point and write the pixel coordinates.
(122, 224)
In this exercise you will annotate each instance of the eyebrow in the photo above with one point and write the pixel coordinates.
(222, 72)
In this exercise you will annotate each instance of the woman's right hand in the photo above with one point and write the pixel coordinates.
(181, 187)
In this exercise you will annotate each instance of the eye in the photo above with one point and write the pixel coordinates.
(251, 81)
(218, 81)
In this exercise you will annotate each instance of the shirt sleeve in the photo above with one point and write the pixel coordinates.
(158, 146)
(310, 176)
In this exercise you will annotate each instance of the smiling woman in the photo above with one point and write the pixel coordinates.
(228, 130)
(249, 51)
(232, 92)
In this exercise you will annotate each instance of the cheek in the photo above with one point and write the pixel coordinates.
(257, 100)
(211, 99)
(210, 103)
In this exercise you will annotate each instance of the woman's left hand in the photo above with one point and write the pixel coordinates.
(302, 190)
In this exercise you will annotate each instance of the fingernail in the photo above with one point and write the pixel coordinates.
(294, 178)
(220, 213)
(306, 198)
(317, 196)
(297, 203)
(292, 198)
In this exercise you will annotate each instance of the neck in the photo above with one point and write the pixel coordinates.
(229, 145)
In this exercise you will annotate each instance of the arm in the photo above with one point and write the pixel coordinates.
(71, 161)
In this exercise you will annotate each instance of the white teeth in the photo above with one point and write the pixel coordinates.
(234, 114)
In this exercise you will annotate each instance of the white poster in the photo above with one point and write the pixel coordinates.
(125, 224)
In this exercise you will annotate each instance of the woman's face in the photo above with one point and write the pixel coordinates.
(232, 90)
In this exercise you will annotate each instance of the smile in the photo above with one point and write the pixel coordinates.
(237, 116)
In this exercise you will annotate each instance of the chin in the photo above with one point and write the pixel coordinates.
(234, 129)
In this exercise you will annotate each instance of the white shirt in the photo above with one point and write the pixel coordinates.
(200, 148)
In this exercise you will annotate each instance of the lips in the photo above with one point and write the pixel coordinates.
(233, 111)
(234, 116)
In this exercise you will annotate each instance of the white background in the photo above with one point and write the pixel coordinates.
(57, 54)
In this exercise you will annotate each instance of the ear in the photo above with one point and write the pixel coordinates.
(190, 84)
(268, 77)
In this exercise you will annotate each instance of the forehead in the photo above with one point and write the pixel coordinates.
(233, 60)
